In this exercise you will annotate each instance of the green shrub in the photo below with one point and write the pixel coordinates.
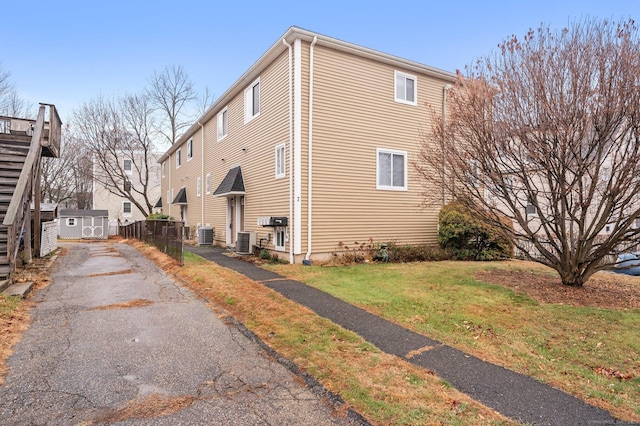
(159, 216)
(466, 236)
(265, 255)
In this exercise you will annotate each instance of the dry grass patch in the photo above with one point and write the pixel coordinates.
(136, 303)
(384, 388)
(107, 274)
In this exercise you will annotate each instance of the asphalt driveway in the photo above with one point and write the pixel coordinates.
(115, 340)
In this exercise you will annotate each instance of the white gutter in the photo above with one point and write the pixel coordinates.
(310, 174)
(297, 149)
(202, 182)
(291, 258)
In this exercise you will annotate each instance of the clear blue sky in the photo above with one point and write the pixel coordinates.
(68, 52)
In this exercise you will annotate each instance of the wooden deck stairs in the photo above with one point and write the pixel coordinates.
(23, 143)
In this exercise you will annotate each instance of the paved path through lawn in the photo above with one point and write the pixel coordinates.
(511, 394)
(115, 339)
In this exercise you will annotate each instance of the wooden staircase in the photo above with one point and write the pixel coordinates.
(22, 145)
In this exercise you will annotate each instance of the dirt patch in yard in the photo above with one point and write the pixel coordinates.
(604, 290)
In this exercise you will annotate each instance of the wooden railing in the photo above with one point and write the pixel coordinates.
(18, 215)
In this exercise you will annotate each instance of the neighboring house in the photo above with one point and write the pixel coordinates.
(76, 224)
(311, 147)
(122, 209)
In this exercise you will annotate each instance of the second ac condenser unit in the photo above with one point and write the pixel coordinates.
(205, 236)
(246, 241)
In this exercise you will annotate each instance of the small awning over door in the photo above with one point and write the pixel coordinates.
(158, 203)
(181, 198)
(232, 184)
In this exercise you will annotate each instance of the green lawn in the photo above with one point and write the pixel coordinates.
(578, 349)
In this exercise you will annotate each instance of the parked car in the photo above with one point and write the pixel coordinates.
(628, 263)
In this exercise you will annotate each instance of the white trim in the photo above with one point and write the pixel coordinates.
(403, 99)
(391, 187)
(248, 101)
(198, 186)
(207, 185)
(282, 147)
(220, 124)
(190, 150)
(276, 231)
(75, 221)
(163, 168)
(297, 150)
(130, 213)
(178, 158)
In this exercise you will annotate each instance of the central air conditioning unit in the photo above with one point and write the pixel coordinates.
(245, 243)
(205, 236)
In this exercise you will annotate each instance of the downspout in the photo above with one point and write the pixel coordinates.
(444, 153)
(297, 146)
(310, 154)
(291, 258)
(202, 182)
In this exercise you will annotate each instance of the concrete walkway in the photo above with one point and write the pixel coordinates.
(115, 340)
(511, 394)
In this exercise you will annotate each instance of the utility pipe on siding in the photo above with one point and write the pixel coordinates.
(291, 258)
(310, 174)
(202, 182)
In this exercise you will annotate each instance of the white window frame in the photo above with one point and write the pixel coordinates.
(280, 238)
(71, 221)
(281, 161)
(130, 213)
(198, 186)
(223, 123)
(163, 168)
(391, 187)
(190, 149)
(249, 113)
(402, 97)
(207, 184)
(178, 158)
(124, 166)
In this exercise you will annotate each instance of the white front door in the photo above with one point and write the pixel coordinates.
(235, 218)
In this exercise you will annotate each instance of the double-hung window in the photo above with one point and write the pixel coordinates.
(280, 161)
(223, 123)
(391, 169)
(126, 209)
(178, 158)
(126, 166)
(406, 88)
(252, 101)
(189, 149)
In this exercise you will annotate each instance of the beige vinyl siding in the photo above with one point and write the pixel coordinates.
(266, 196)
(355, 113)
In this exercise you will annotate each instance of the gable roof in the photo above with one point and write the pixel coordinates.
(232, 184)
(277, 48)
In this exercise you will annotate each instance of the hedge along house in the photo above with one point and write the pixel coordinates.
(311, 147)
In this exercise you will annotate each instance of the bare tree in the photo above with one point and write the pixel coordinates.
(68, 180)
(547, 132)
(204, 102)
(170, 93)
(118, 135)
(11, 104)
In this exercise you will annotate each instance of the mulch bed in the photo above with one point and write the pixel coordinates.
(604, 290)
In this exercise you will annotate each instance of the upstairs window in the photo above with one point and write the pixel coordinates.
(406, 88)
(280, 161)
(198, 186)
(178, 158)
(126, 209)
(207, 184)
(189, 149)
(127, 185)
(162, 167)
(252, 101)
(223, 123)
(126, 166)
(391, 169)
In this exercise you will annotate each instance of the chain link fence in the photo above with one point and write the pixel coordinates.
(165, 235)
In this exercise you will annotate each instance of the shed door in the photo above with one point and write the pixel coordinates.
(92, 227)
